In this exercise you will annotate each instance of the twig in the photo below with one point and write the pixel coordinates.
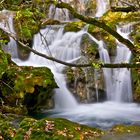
(7, 85)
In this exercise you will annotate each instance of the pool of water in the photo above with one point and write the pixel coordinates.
(101, 115)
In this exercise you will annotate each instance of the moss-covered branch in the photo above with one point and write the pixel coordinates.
(124, 9)
(94, 65)
(97, 23)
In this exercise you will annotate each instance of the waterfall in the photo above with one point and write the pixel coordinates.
(101, 7)
(7, 25)
(104, 57)
(59, 14)
(122, 76)
(117, 81)
(52, 41)
(63, 46)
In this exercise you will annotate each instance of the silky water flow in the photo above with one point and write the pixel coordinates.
(66, 47)
(118, 108)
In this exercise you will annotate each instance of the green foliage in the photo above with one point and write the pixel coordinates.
(96, 65)
(55, 129)
(26, 23)
(4, 38)
(74, 26)
(113, 18)
(19, 82)
(3, 63)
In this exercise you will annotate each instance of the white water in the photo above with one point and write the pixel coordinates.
(59, 14)
(7, 25)
(64, 47)
(122, 76)
(101, 7)
(67, 47)
(102, 115)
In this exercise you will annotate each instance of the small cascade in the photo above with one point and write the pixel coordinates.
(64, 14)
(7, 25)
(101, 7)
(63, 47)
(53, 42)
(59, 14)
(117, 81)
(122, 76)
(96, 84)
(104, 57)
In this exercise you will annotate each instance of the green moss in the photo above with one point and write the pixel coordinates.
(117, 17)
(28, 85)
(50, 22)
(4, 38)
(74, 26)
(123, 129)
(55, 129)
(3, 63)
(27, 23)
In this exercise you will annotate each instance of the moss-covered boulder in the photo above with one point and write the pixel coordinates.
(59, 129)
(27, 85)
(55, 129)
(24, 86)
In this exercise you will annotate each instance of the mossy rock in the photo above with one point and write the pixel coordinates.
(27, 23)
(59, 129)
(100, 34)
(55, 129)
(74, 26)
(123, 129)
(27, 84)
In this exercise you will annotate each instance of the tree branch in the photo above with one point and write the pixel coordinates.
(94, 65)
(124, 9)
(97, 23)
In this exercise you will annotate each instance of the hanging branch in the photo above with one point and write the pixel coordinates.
(97, 23)
(94, 64)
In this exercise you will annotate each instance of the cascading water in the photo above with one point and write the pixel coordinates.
(122, 77)
(59, 14)
(64, 14)
(7, 25)
(66, 47)
(63, 47)
(101, 7)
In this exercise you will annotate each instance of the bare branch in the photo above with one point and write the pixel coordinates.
(94, 65)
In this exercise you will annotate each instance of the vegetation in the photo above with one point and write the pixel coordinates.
(29, 89)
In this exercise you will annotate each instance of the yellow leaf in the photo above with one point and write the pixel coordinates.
(30, 89)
